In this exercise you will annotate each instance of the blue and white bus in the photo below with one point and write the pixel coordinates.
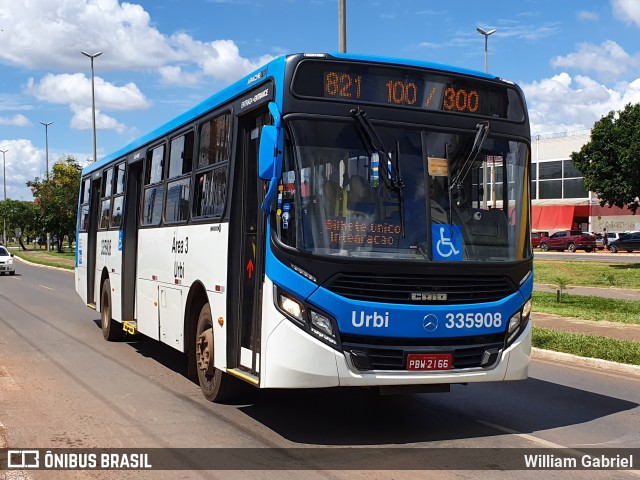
(328, 220)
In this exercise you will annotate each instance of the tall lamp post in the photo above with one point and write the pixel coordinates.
(46, 156)
(486, 34)
(93, 101)
(342, 26)
(4, 177)
(46, 139)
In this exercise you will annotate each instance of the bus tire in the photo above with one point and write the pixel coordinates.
(111, 330)
(216, 385)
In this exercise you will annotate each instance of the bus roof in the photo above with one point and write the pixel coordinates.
(273, 68)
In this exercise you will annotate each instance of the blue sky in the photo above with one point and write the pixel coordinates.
(575, 59)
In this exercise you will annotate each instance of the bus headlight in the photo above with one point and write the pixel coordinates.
(518, 321)
(291, 307)
(320, 325)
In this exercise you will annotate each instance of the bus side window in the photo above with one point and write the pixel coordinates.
(84, 211)
(116, 208)
(210, 190)
(154, 189)
(105, 209)
(179, 180)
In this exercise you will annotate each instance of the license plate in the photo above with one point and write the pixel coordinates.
(429, 361)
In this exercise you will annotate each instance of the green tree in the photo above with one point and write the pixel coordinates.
(56, 199)
(610, 161)
(22, 215)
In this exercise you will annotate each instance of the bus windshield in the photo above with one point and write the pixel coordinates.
(432, 195)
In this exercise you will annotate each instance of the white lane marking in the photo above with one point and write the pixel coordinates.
(44, 286)
(542, 442)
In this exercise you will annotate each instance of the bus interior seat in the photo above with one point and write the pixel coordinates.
(361, 199)
(330, 198)
(484, 227)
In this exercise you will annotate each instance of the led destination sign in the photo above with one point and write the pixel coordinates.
(406, 87)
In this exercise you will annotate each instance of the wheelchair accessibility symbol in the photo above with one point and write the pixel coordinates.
(446, 241)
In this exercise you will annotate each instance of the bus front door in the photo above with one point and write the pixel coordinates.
(250, 236)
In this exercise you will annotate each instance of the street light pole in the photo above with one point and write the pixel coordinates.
(486, 34)
(4, 178)
(342, 26)
(93, 101)
(46, 156)
(46, 139)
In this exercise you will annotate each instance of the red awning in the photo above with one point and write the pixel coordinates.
(552, 217)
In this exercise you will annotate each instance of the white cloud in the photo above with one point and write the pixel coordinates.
(76, 89)
(608, 60)
(24, 162)
(219, 59)
(588, 16)
(17, 121)
(83, 120)
(564, 103)
(627, 10)
(123, 31)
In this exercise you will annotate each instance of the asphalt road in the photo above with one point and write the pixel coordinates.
(62, 385)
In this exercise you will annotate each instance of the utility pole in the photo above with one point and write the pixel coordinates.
(4, 177)
(342, 26)
(46, 140)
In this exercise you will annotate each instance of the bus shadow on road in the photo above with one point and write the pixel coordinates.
(357, 416)
(360, 417)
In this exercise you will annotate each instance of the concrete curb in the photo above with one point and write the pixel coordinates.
(50, 267)
(613, 367)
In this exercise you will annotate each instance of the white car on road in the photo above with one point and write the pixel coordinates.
(6, 262)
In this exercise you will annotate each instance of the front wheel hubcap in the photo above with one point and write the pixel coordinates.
(204, 351)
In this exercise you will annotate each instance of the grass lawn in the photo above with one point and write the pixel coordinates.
(621, 351)
(587, 308)
(587, 274)
(52, 258)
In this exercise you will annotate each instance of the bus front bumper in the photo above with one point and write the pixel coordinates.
(294, 359)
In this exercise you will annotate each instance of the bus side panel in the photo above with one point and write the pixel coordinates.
(81, 267)
(110, 259)
(155, 267)
(204, 258)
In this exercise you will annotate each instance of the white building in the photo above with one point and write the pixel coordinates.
(559, 198)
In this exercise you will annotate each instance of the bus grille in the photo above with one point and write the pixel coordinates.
(369, 353)
(399, 288)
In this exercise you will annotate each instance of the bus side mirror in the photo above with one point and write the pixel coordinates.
(270, 162)
(268, 153)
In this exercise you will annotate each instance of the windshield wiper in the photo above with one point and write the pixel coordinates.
(389, 172)
(482, 129)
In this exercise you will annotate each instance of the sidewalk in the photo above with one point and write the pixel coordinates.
(618, 331)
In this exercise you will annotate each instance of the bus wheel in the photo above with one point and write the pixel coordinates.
(216, 385)
(111, 330)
